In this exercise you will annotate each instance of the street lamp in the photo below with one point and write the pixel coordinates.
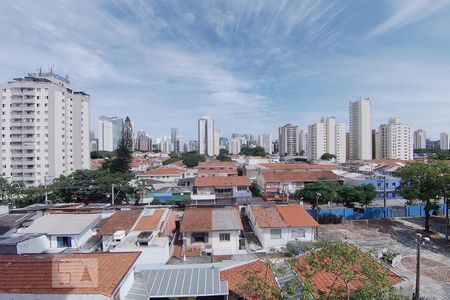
(420, 240)
(45, 185)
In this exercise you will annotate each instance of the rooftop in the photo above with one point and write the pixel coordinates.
(55, 224)
(300, 167)
(180, 282)
(279, 216)
(11, 221)
(304, 176)
(222, 181)
(217, 164)
(38, 274)
(163, 171)
(218, 171)
(120, 220)
(202, 219)
(150, 220)
(238, 277)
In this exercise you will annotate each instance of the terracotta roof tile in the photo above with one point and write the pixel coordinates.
(218, 171)
(222, 181)
(238, 277)
(268, 217)
(35, 274)
(280, 216)
(217, 164)
(150, 222)
(296, 215)
(120, 220)
(196, 219)
(163, 171)
(299, 167)
(304, 176)
(170, 224)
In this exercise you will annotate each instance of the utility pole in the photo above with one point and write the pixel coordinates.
(446, 216)
(112, 194)
(317, 206)
(420, 240)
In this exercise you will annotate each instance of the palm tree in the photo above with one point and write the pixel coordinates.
(141, 188)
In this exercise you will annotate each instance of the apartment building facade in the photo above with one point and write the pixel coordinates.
(396, 140)
(360, 131)
(326, 136)
(288, 140)
(45, 128)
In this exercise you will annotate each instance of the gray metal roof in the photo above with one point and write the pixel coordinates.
(226, 219)
(180, 282)
(53, 224)
(11, 221)
(14, 239)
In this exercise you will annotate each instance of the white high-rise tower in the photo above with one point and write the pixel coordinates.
(326, 136)
(360, 132)
(396, 140)
(206, 136)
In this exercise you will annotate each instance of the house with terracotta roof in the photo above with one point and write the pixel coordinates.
(279, 184)
(216, 172)
(212, 230)
(279, 167)
(275, 225)
(72, 276)
(171, 175)
(242, 281)
(221, 188)
(146, 231)
(217, 165)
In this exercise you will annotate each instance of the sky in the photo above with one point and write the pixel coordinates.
(251, 65)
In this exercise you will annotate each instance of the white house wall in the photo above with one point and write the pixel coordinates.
(225, 247)
(35, 245)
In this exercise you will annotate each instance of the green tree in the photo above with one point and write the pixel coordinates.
(102, 154)
(141, 188)
(323, 191)
(256, 191)
(425, 183)
(348, 195)
(369, 192)
(127, 134)
(256, 151)
(121, 161)
(328, 156)
(223, 157)
(191, 159)
(348, 266)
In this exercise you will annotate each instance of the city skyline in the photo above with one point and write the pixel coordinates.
(255, 66)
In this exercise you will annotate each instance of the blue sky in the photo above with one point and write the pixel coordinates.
(252, 65)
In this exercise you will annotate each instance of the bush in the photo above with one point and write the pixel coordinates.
(293, 248)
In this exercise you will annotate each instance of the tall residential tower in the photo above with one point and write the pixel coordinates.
(206, 136)
(360, 132)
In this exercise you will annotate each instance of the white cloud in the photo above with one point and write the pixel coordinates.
(409, 12)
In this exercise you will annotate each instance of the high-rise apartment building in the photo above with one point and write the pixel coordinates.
(217, 136)
(420, 139)
(396, 140)
(45, 129)
(109, 133)
(443, 142)
(326, 136)
(288, 140)
(302, 141)
(234, 146)
(143, 141)
(174, 134)
(360, 121)
(193, 145)
(375, 144)
(265, 141)
(206, 136)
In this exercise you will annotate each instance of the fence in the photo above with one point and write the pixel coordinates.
(377, 212)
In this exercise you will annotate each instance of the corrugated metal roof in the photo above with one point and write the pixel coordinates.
(180, 282)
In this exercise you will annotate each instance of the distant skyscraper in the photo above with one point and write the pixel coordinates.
(360, 120)
(420, 139)
(143, 141)
(109, 133)
(206, 136)
(327, 136)
(288, 140)
(375, 144)
(44, 128)
(302, 141)
(396, 140)
(174, 133)
(444, 141)
(93, 142)
(217, 136)
(235, 146)
(193, 145)
(265, 141)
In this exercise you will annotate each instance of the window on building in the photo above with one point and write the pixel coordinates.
(275, 234)
(224, 237)
(64, 241)
(298, 233)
